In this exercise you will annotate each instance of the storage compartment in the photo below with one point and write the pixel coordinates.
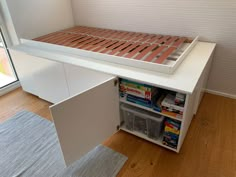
(166, 102)
(142, 121)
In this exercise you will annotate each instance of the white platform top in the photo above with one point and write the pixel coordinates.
(184, 79)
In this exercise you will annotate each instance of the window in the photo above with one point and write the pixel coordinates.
(7, 71)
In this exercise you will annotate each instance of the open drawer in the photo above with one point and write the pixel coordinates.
(86, 119)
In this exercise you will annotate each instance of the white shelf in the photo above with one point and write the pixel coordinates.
(158, 141)
(149, 109)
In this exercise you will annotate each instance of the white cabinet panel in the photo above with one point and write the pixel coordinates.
(80, 79)
(26, 67)
(87, 119)
(41, 77)
(50, 81)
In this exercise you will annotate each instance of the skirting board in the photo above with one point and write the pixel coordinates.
(220, 93)
(9, 88)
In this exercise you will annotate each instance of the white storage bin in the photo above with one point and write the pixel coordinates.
(142, 121)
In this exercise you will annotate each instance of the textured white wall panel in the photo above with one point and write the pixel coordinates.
(213, 20)
(34, 18)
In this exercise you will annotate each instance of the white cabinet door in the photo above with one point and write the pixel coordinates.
(87, 119)
(41, 77)
(51, 81)
(80, 79)
(25, 68)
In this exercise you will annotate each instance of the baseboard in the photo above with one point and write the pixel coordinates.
(220, 93)
(9, 88)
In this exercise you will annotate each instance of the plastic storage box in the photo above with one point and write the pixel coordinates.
(155, 126)
(136, 119)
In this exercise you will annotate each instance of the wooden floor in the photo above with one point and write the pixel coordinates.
(209, 149)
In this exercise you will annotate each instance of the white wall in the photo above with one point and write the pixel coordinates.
(213, 20)
(34, 18)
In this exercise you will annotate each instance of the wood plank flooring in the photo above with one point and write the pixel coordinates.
(209, 149)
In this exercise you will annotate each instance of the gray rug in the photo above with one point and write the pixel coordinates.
(29, 148)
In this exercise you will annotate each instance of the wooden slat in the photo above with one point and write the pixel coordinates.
(120, 48)
(120, 43)
(165, 55)
(100, 33)
(73, 44)
(179, 42)
(112, 47)
(108, 34)
(123, 35)
(46, 39)
(71, 36)
(171, 40)
(154, 53)
(64, 38)
(87, 31)
(58, 38)
(104, 46)
(92, 43)
(144, 52)
(41, 38)
(114, 35)
(137, 50)
(119, 36)
(69, 40)
(138, 38)
(148, 37)
(125, 51)
(163, 39)
(157, 37)
(137, 35)
(126, 35)
(104, 33)
(86, 42)
(132, 36)
(98, 45)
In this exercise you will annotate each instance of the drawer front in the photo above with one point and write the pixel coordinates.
(86, 119)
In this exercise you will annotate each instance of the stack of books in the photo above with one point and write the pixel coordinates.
(171, 133)
(136, 93)
(169, 106)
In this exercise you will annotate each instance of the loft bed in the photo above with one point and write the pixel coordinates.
(161, 53)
